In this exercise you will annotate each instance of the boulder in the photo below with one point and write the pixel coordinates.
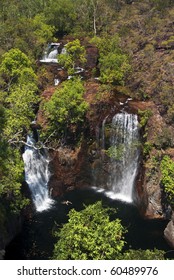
(169, 232)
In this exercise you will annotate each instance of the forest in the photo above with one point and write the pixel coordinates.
(125, 49)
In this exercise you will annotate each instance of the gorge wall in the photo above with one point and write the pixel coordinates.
(75, 167)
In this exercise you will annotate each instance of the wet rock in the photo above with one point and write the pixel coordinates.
(169, 232)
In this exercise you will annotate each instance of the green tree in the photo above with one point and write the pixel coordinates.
(31, 34)
(16, 68)
(90, 235)
(24, 26)
(94, 16)
(167, 179)
(74, 55)
(17, 101)
(19, 112)
(66, 108)
(11, 176)
(114, 64)
(61, 15)
(19, 95)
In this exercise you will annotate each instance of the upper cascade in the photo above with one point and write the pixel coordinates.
(51, 53)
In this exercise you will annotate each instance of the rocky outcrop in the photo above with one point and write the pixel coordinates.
(70, 169)
(91, 56)
(169, 232)
(151, 193)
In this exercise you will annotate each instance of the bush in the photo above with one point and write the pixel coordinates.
(90, 235)
(114, 64)
(167, 178)
(66, 108)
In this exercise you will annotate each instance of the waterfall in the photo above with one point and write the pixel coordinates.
(37, 175)
(124, 153)
(51, 53)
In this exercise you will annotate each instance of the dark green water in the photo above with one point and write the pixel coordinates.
(36, 240)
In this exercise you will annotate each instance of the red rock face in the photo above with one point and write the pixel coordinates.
(91, 56)
(70, 168)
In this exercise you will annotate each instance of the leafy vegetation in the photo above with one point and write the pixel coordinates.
(113, 62)
(89, 234)
(74, 53)
(16, 69)
(17, 100)
(66, 108)
(167, 179)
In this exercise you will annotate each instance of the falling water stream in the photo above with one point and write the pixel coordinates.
(124, 156)
(37, 175)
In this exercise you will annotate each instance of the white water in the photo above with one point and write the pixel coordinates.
(124, 159)
(51, 53)
(37, 175)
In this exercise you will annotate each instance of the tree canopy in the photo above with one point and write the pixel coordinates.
(18, 96)
(74, 53)
(167, 180)
(66, 108)
(90, 235)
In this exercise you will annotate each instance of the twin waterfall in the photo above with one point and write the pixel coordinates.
(37, 175)
(124, 156)
(123, 153)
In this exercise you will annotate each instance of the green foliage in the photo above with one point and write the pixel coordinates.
(143, 254)
(16, 68)
(90, 235)
(167, 177)
(75, 54)
(20, 111)
(119, 152)
(17, 101)
(94, 16)
(11, 176)
(116, 153)
(113, 68)
(23, 26)
(66, 107)
(144, 116)
(13, 61)
(41, 30)
(147, 147)
(32, 34)
(114, 64)
(61, 14)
